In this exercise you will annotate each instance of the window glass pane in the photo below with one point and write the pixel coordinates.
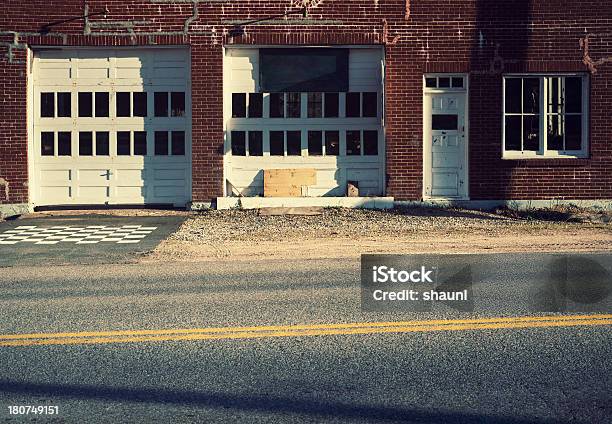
(370, 143)
(277, 143)
(531, 133)
(124, 104)
(315, 105)
(555, 100)
(332, 101)
(140, 104)
(85, 101)
(64, 143)
(513, 95)
(513, 133)
(255, 143)
(238, 105)
(315, 143)
(444, 82)
(102, 143)
(332, 143)
(531, 95)
(353, 143)
(161, 104)
(294, 143)
(353, 105)
(102, 105)
(177, 103)
(47, 105)
(123, 143)
(140, 143)
(238, 143)
(555, 133)
(47, 147)
(161, 143)
(255, 105)
(370, 105)
(444, 122)
(64, 105)
(294, 105)
(573, 132)
(457, 82)
(430, 82)
(85, 143)
(277, 105)
(573, 95)
(178, 143)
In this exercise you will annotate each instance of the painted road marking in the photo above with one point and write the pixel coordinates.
(227, 333)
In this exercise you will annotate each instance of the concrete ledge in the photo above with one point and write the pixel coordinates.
(605, 204)
(295, 202)
(9, 210)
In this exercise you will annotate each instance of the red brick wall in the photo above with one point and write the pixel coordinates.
(482, 37)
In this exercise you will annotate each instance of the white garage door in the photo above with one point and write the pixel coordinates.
(111, 127)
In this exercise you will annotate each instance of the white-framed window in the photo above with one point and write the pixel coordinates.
(545, 116)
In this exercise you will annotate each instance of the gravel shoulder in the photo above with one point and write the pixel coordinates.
(346, 233)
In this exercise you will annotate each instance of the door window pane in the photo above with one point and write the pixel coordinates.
(85, 101)
(161, 104)
(277, 105)
(513, 133)
(47, 105)
(294, 105)
(177, 103)
(315, 105)
(332, 102)
(353, 143)
(64, 105)
(457, 82)
(102, 143)
(255, 143)
(140, 104)
(277, 143)
(102, 105)
(255, 105)
(444, 82)
(124, 105)
(513, 95)
(178, 143)
(161, 143)
(64, 143)
(238, 143)
(123, 143)
(294, 143)
(315, 143)
(85, 143)
(47, 141)
(431, 82)
(370, 105)
(370, 143)
(140, 143)
(238, 105)
(444, 122)
(353, 105)
(332, 143)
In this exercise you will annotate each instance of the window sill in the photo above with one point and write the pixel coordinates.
(544, 157)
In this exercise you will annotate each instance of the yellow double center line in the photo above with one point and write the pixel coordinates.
(226, 333)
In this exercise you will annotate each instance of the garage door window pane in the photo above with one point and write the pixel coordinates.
(102, 104)
(277, 143)
(178, 143)
(238, 105)
(370, 143)
(64, 105)
(177, 103)
(315, 105)
(140, 143)
(277, 105)
(47, 147)
(315, 143)
(64, 144)
(140, 104)
(294, 143)
(255, 143)
(332, 143)
(161, 143)
(255, 105)
(238, 143)
(85, 105)
(85, 144)
(123, 143)
(124, 104)
(353, 143)
(332, 101)
(47, 105)
(161, 104)
(370, 105)
(102, 143)
(353, 105)
(294, 105)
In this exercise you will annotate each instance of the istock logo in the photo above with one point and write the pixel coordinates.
(384, 274)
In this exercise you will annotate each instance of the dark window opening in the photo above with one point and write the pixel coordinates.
(531, 95)
(573, 132)
(161, 104)
(47, 141)
(123, 143)
(85, 105)
(255, 105)
(124, 104)
(294, 143)
(102, 105)
(238, 143)
(277, 143)
(353, 106)
(64, 143)
(353, 143)
(573, 95)
(161, 143)
(332, 102)
(64, 105)
(513, 95)
(370, 105)
(140, 143)
(431, 82)
(531, 133)
(178, 143)
(85, 143)
(513, 133)
(177, 104)
(47, 105)
(332, 143)
(255, 143)
(238, 105)
(370, 143)
(277, 105)
(140, 105)
(457, 82)
(315, 143)
(102, 143)
(444, 82)
(444, 122)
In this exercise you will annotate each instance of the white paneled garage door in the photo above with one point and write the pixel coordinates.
(111, 126)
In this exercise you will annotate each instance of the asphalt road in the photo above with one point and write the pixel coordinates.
(546, 374)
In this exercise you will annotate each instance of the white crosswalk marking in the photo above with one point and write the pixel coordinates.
(92, 234)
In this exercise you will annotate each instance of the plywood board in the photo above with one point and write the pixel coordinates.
(288, 182)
